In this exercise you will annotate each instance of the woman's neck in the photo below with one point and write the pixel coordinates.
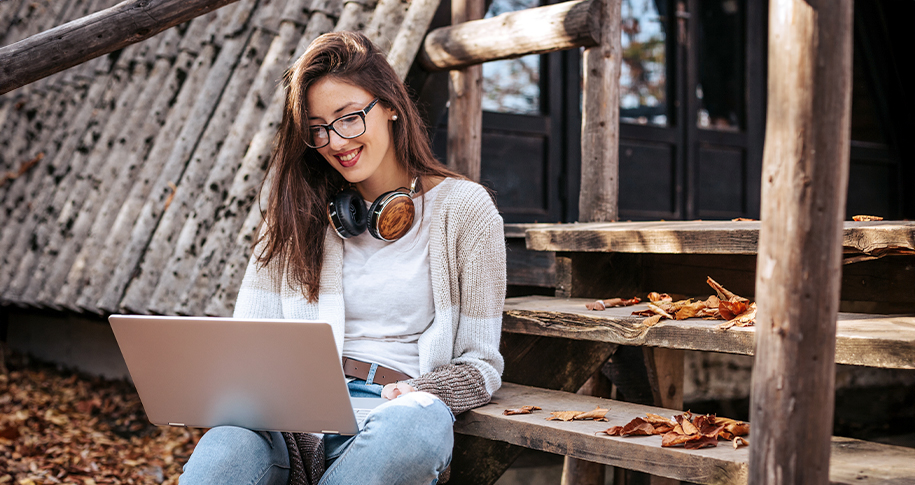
(379, 183)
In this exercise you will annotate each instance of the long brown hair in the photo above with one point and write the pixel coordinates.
(302, 180)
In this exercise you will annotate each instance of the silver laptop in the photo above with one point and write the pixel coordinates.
(272, 375)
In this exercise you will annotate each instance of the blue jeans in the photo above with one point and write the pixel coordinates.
(407, 440)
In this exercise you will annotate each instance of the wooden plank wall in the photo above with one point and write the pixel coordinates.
(144, 198)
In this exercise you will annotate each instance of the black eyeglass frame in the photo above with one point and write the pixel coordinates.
(330, 126)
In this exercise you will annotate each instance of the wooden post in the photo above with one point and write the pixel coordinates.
(805, 178)
(583, 472)
(465, 114)
(665, 373)
(598, 199)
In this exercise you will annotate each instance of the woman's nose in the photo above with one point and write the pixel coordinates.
(335, 140)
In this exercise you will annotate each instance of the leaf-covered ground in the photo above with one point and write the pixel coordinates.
(61, 427)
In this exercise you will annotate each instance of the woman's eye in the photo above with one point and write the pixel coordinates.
(348, 120)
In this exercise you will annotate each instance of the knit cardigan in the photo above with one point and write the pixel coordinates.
(459, 355)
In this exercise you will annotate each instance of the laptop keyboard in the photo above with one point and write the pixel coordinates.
(361, 414)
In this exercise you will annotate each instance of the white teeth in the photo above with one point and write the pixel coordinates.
(346, 158)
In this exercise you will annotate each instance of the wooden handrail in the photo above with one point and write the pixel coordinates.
(92, 36)
(532, 31)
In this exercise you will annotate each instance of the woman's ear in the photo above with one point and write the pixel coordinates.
(389, 113)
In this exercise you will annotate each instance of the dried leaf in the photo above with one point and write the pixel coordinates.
(723, 293)
(701, 441)
(655, 420)
(692, 309)
(738, 429)
(637, 427)
(613, 431)
(659, 311)
(730, 310)
(686, 424)
(745, 319)
(521, 410)
(702, 422)
(863, 218)
(597, 414)
(738, 442)
(673, 439)
(9, 433)
(652, 320)
(654, 296)
(563, 415)
(612, 302)
(709, 313)
(597, 305)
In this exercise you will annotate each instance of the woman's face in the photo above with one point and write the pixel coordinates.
(368, 160)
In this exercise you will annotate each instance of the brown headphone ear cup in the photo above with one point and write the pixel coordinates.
(346, 212)
(391, 216)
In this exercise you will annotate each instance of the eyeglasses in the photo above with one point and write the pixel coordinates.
(347, 126)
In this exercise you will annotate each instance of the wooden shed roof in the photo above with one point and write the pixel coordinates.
(128, 183)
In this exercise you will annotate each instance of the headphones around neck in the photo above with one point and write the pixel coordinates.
(389, 218)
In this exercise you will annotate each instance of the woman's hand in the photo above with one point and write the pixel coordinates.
(395, 390)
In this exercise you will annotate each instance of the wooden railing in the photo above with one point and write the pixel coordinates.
(92, 36)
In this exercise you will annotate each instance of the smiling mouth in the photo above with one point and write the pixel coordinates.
(348, 159)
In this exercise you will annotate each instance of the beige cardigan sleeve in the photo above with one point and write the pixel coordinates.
(462, 384)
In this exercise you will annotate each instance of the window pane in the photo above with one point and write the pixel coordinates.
(512, 85)
(643, 76)
(721, 65)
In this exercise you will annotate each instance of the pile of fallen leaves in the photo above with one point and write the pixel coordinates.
(725, 305)
(58, 427)
(691, 431)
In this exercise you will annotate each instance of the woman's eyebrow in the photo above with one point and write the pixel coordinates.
(354, 105)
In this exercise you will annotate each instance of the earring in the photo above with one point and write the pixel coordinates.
(394, 118)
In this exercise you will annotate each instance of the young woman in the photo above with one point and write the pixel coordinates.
(405, 259)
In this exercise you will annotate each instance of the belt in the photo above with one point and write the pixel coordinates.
(360, 370)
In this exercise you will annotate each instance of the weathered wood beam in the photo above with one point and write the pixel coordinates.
(532, 31)
(409, 37)
(465, 112)
(92, 36)
(598, 200)
(805, 178)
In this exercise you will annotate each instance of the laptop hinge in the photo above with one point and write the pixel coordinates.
(177, 424)
(329, 431)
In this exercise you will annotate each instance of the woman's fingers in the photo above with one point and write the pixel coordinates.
(390, 391)
(397, 389)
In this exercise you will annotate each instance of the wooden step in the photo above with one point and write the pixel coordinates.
(705, 237)
(852, 461)
(886, 341)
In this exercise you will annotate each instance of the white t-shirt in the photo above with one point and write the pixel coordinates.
(387, 290)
